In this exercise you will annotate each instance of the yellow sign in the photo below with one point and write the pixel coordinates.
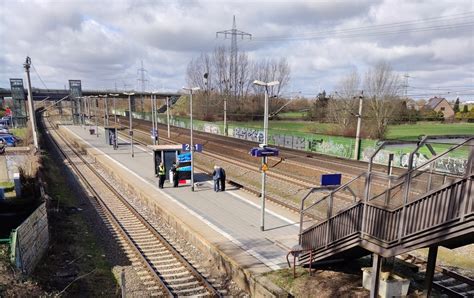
(264, 167)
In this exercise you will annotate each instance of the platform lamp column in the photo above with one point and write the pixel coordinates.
(265, 143)
(130, 132)
(114, 95)
(31, 108)
(191, 129)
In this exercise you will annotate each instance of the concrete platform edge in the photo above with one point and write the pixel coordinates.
(256, 284)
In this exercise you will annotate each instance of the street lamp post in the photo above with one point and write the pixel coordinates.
(114, 95)
(130, 132)
(191, 129)
(265, 143)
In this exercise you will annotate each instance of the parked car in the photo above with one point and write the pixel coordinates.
(4, 130)
(10, 140)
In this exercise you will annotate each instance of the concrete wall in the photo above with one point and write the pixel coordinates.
(30, 240)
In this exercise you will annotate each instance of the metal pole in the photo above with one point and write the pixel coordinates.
(130, 122)
(264, 158)
(359, 120)
(225, 115)
(115, 111)
(96, 119)
(106, 110)
(153, 118)
(168, 114)
(31, 108)
(192, 144)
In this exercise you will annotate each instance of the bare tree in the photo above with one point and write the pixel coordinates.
(382, 87)
(342, 106)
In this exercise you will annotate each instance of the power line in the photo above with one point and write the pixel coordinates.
(382, 29)
(39, 77)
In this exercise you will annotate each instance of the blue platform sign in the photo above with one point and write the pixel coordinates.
(331, 179)
(185, 157)
(267, 151)
(197, 147)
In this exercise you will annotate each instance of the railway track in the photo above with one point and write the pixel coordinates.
(170, 273)
(238, 183)
(445, 280)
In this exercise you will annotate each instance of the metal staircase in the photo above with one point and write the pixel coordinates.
(430, 204)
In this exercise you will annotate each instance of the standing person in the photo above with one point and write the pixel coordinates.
(216, 176)
(161, 175)
(174, 171)
(222, 179)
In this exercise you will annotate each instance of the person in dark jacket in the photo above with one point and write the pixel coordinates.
(216, 176)
(174, 171)
(222, 178)
(161, 175)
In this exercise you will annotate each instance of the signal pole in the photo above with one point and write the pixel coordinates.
(359, 120)
(31, 108)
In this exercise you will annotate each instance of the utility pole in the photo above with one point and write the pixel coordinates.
(359, 120)
(141, 72)
(233, 68)
(168, 114)
(154, 125)
(114, 95)
(130, 132)
(31, 108)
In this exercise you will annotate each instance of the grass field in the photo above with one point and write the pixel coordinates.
(407, 131)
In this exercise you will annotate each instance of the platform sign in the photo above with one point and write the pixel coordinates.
(331, 179)
(267, 151)
(184, 166)
(197, 147)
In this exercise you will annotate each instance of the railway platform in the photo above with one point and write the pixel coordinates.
(227, 224)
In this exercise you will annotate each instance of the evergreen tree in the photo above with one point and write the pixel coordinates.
(465, 109)
(456, 105)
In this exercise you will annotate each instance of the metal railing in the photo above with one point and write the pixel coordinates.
(423, 199)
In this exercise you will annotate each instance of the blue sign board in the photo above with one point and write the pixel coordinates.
(197, 147)
(267, 151)
(331, 179)
(185, 157)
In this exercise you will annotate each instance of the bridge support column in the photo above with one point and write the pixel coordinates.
(430, 269)
(374, 285)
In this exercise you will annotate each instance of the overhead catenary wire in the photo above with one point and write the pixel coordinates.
(383, 29)
(36, 72)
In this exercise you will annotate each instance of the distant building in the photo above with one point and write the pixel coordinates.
(440, 104)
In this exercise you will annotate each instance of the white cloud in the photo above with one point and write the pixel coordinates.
(103, 42)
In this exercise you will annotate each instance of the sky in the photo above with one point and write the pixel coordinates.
(430, 44)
